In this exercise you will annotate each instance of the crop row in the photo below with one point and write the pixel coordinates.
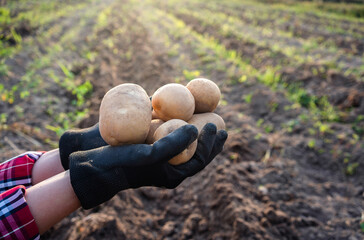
(299, 50)
(303, 11)
(239, 70)
(194, 55)
(269, 76)
(272, 15)
(326, 35)
(49, 58)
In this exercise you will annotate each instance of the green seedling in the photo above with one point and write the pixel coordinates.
(189, 75)
(4, 69)
(57, 129)
(248, 98)
(260, 122)
(268, 128)
(3, 118)
(351, 168)
(258, 136)
(311, 143)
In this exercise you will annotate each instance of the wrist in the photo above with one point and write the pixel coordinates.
(94, 185)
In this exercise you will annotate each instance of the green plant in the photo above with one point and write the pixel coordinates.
(273, 106)
(81, 91)
(268, 128)
(354, 139)
(16, 36)
(4, 16)
(357, 126)
(189, 75)
(243, 78)
(305, 99)
(270, 78)
(350, 169)
(258, 136)
(312, 131)
(3, 118)
(19, 111)
(248, 97)
(4, 69)
(323, 127)
(311, 143)
(260, 122)
(57, 129)
(24, 94)
(291, 124)
(90, 55)
(78, 90)
(328, 112)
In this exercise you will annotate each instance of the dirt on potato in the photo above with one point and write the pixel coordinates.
(292, 167)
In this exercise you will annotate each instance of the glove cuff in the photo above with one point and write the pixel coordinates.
(68, 143)
(94, 185)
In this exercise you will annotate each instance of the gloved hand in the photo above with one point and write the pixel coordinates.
(79, 140)
(98, 174)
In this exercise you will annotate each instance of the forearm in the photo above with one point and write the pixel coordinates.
(52, 200)
(48, 165)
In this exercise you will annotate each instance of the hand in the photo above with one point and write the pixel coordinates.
(98, 174)
(163, 174)
(79, 140)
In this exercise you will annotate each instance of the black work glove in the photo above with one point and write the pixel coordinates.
(98, 174)
(79, 140)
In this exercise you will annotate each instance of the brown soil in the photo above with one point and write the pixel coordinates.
(264, 185)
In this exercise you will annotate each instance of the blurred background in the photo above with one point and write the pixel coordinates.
(291, 75)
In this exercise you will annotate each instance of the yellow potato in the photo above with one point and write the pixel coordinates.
(169, 127)
(173, 101)
(153, 127)
(125, 115)
(206, 93)
(154, 115)
(201, 119)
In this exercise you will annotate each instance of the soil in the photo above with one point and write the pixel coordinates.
(268, 183)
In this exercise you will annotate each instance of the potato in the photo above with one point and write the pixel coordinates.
(169, 127)
(154, 115)
(173, 101)
(201, 119)
(206, 93)
(125, 115)
(153, 127)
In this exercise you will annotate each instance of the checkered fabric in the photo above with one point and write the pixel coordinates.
(16, 220)
(18, 170)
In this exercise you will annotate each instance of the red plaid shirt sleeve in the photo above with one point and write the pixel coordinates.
(16, 220)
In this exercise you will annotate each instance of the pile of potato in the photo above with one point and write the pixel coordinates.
(127, 116)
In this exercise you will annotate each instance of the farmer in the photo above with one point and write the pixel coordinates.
(39, 189)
